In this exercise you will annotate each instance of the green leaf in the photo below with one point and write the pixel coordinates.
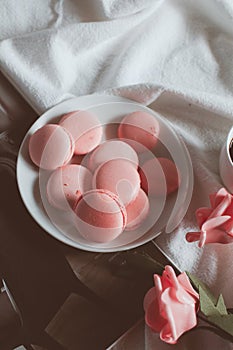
(221, 307)
(207, 306)
(216, 313)
(224, 322)
(198, 283)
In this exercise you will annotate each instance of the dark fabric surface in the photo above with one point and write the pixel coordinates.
(35, 270)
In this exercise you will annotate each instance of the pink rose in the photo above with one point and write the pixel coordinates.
(171, 305)
(216, 223)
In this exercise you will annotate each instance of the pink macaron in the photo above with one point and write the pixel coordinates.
(112, 149)
(67, 184)
(100, 216)
(154, 171)
(85, 128)
(141, 129)
(120, 177)
(137, 211)
(51, 147)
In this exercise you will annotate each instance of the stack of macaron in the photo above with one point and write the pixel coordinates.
(111, 193)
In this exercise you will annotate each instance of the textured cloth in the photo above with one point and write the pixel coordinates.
(173, 55)
(140, 337)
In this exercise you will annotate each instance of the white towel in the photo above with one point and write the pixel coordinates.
(173, 55)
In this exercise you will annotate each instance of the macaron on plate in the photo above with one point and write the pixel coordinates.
(104, 173)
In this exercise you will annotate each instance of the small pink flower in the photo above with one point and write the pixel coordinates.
(216, 223)
(171, 305)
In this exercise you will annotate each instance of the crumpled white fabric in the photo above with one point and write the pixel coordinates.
(173, 55)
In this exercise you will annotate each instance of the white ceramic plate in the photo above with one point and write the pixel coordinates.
(110, 109)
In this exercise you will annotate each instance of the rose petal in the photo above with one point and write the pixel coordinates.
(202, 239)
(229, 210)
(219, 196)
(218, 236)
(153, 318)
(158, 285)
(169, 274)
(228, 227)
(183, 296)
(168, 332)
(214, 222)
(212, 197)
(166, 282)
(193, 236)
(221, 207)
(202, 215)
(185, 283)
(149, 298)
(180, 318)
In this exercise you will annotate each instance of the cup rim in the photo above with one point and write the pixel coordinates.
(229, 141)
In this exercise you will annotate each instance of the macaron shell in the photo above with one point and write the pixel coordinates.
(100, 216)
(67, 184)
(154, 171)
(137, 211)
(120, 177)
(51, 147)
(112, 149)
(140, 127)
(85, 128)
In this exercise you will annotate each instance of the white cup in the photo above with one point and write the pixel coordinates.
(226, 163)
